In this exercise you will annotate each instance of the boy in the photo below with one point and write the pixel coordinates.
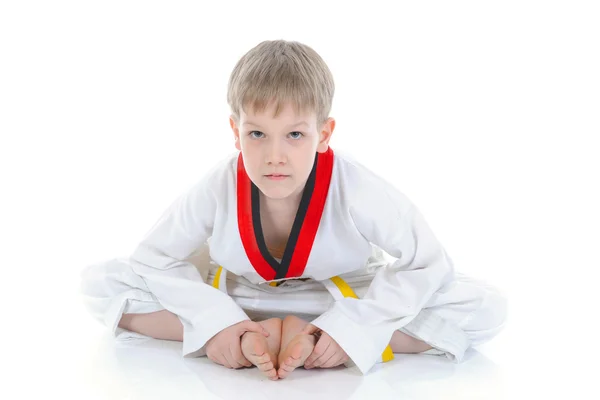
(295, 232)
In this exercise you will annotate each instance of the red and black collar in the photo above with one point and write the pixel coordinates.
(304, 228)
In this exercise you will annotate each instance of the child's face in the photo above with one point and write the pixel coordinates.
(285, 145)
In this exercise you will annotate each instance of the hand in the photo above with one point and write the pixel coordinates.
(327, 352)
(225, 347)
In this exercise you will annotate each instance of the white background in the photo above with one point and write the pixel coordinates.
(486, 114)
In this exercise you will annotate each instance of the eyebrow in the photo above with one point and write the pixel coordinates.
(289, 127)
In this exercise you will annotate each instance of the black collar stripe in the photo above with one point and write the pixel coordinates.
(303, 230)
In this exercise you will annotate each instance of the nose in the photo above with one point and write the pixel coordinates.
(276, 153)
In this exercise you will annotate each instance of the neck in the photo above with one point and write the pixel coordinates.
(285, 206)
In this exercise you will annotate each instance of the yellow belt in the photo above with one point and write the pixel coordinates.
(344, 288)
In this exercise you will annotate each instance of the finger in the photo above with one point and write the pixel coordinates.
(236, 351)
(213, 359)
(233, 358)
(238, 357)
(316, 353)
(322, 346)
(221, 360)
(334, 361)
(225, 362)
(229, 361)
(329, 353)
(309, 329)
(216, 358)
(251, 326)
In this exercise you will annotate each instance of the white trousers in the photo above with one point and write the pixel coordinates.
(462, 314)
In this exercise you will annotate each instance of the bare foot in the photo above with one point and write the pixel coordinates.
(294, 355)
(255, 348)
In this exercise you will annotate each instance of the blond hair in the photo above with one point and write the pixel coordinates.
(283, 72)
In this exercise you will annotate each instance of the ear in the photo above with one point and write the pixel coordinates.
(236, 133)
(326, 132)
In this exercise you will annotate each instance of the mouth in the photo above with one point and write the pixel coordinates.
(276, 176)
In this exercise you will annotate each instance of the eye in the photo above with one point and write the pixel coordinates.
(296, 135)
(255, 136)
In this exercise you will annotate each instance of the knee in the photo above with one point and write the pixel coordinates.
(492, 314)
(104, 279)
(91, 280)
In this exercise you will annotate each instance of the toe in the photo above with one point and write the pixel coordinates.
(265, 366)
(272, 374)
(282, 373)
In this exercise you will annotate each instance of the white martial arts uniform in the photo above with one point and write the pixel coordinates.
(346, 215)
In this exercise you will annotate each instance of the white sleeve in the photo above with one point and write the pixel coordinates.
(184, 227)
(387, 218)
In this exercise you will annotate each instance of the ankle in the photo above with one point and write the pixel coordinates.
(403, 343)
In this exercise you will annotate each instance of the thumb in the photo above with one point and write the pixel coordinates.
(309, 329)
(251, 326)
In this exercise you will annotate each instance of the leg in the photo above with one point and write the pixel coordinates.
(463, 314)
(119, 298)
(403, 343)
(262, 351)
(295, 347)
(159, 325)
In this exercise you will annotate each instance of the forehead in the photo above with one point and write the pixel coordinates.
(287, 114)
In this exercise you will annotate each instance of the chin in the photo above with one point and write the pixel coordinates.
(276, 194)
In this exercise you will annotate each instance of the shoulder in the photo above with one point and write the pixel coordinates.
(364, 188)
(221, 171)
(214, 181)
(350, 168)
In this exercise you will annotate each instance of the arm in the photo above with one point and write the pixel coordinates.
(385, 217)
(184, 226)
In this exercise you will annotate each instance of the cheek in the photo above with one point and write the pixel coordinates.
(250, 148)
(309, 160)
(252, 164)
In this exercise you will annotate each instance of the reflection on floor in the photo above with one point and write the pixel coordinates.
(153, 369)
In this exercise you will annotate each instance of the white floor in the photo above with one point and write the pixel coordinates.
(486, 117)
(101, 368)
(155, 370)
(63, 352)
(52, 347)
